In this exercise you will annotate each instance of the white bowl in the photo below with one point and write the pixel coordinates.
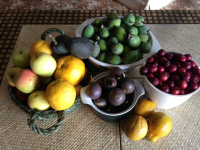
(164, 100)
(125, 67)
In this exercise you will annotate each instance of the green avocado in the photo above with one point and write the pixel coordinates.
(59, 46)
(81, 47)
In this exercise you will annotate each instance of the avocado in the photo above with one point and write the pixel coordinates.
(80, 47)
(59, 46)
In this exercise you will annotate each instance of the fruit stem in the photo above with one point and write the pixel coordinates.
(53, 39)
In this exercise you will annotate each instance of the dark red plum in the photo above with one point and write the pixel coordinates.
(116, 97)
(109, 82)
(127, 85)
(94, 90)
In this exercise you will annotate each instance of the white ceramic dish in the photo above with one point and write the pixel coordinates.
(139, 90)
(125, 67)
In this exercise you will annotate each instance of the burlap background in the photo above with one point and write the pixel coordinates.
(84, 130)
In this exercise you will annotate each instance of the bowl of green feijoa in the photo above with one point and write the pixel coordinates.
(119, 41)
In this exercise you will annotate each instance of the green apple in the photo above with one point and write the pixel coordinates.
(27, 81)
(43, 64)
(12, 75)
(21, 58)
(37, 100)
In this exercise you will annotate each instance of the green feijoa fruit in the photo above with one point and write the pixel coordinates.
(103, 33)
(114, 23)
(120, 34)
(125, 26)
(126, 50)
(88, 32)
(145, 47)
(103, 45)
(112, 15)
(96, 30)
(96, 50)
(92, 42)
(133, 41)
(129, 19)
(114, 60)
(131, 57)
(96, 37)
(98, 22)
(111, 41)
(102, 57)
(138, 21)
(143, 29)
(117, 48)
(132, 30)
(140, 55)
(143, 37)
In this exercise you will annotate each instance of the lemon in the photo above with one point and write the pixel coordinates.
(60, 94)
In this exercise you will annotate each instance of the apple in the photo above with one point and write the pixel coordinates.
(21, 58)
(22, 97)
(12, 75)
(27, 81)
(43, 64)
(37, 100)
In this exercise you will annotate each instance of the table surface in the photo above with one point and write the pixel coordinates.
(11, 23)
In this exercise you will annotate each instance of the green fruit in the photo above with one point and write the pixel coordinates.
(125, 26)
(126, 50)
(96, 50)
(80, 47)
(102, 57)
(133, 41)
(104, 33)
(138, 21)
(114, 23)
(120, 34)
(103, 45)
(140, 55)
(132, 30)
(131, 57)
(114, 59)
(145, 47)
(129, 19)
(117, 48)
(96, 30)
(98, 23)
(143, 37)
(112, 15)
(143, 29)
(88, 32)
(59, 46)
(111, 41)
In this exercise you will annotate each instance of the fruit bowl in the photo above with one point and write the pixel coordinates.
(162, 99)
(125, 67)
(116, 116)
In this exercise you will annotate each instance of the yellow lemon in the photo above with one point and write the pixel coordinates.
(60, 94)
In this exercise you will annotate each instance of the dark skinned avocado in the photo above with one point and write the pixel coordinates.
(59, 45)
(80, 47)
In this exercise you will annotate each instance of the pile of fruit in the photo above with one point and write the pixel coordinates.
(112, 94)
(172, 73)
(118, 40)
(136, 127)
(50, 76)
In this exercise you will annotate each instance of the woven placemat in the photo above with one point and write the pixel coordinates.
(84, 130)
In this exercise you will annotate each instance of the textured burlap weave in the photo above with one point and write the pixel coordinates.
(82, 129)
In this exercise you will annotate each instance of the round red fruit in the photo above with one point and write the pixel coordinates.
(161, 69)
(186, 65)
(164, 88)
(194, 86)
(143, 70)
(150, 60)
(161, 52)
(181, 70)
(149, 75)
(182, 84)
(194, 79)
(154, 81)
(188, 57)
(175, 90)
(172, 68)
(182, 58)
(163, 77)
